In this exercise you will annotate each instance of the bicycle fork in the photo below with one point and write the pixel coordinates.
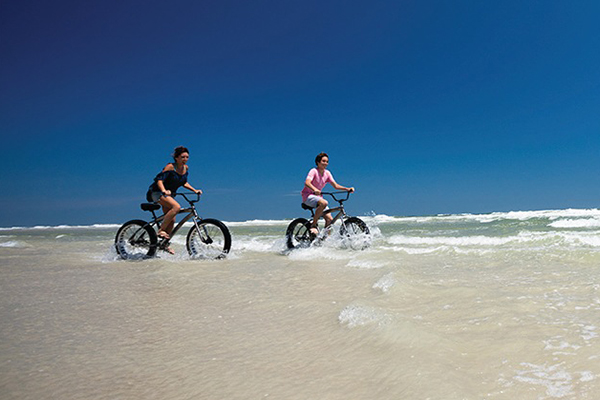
(206, 239)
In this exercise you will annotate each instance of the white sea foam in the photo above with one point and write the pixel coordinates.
(365, 264)
(258, 244)
(589, 333)
(319, 253)
(451, 241)
(61, 227)
(417, 250)
(576, 223)
(522, 238)
(471, 251)
(581, 238)
(587, 376)
(557, 381)
(558, 343)
(381, 219)
(496, 216)
(385, 283)
(13, 243)
(357, 315)
(550, 214)
(258, 222)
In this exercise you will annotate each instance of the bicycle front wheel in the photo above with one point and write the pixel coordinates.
(212, 240)
(298, 234)
(355, 233)
(136, 240)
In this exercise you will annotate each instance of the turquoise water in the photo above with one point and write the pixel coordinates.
(501, 306)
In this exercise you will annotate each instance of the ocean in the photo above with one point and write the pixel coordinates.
(489, 306)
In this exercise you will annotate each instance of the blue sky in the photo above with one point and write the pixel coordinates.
(425, 107)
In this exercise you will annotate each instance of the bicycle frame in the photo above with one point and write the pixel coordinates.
(207, 238)
(300, 233)
(341, 214)
(191, 210)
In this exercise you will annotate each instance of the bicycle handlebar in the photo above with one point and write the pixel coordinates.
(332, 194)
(186, 198)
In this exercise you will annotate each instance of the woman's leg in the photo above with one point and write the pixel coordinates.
(170, 208)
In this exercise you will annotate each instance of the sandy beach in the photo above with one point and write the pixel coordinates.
(498, 306)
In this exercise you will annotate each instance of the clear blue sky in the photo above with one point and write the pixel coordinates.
(425, 107)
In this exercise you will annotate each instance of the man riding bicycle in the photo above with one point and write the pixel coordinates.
(315, 181)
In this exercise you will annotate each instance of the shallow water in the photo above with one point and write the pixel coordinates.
(495, 306)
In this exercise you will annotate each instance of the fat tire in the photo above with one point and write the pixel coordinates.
(354, 225)
(298, 234)
(351, 228)
(136, 239)
(197, 245)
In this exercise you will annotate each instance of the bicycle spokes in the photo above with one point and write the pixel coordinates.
(209, 239)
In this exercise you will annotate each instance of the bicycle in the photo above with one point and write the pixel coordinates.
(207, 238)
(298, 233)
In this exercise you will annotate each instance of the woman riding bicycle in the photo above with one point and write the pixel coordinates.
(315, 181)
(172, 177)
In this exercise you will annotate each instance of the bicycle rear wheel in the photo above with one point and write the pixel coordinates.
(136, 240)
(298, 234)
(355, 233)
(212, 241)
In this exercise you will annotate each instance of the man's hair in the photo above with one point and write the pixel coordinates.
(319, 157)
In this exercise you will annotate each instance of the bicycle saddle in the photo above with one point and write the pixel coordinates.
(305, 207)
(150, 206)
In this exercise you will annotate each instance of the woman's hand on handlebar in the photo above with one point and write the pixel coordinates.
(351, 190)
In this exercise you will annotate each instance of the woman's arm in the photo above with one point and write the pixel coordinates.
(190, 187)
(161, 187)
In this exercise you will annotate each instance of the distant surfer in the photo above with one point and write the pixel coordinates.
(173, 176)
(315, 181)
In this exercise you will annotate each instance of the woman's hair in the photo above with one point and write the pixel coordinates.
(179, 151)
(319, 157)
